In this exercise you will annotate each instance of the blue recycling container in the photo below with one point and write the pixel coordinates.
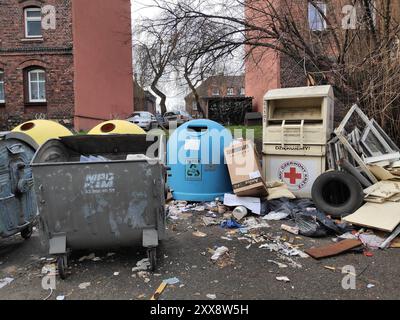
(195, 156)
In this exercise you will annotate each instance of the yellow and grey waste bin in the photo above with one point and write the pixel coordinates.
(298, 123)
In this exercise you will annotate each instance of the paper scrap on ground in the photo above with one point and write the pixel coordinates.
(283, 279)
(251, 203)
(212, 296)
(219, 253)
(142, 265)
(171, 281)
(5, 282)
(84, 285)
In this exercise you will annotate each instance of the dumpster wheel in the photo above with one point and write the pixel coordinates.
(152, 255)
(62, 266)
(27, 232)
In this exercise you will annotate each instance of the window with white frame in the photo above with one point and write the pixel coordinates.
(215, 91)
(37, 85)
(230, 92)
(33, 23)
(194, 106)
(2, 95)
(316, 20)
(242, 91)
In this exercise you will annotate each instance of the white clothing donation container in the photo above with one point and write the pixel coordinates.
(298, 123)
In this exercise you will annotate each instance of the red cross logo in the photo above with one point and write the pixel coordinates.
(293, 175)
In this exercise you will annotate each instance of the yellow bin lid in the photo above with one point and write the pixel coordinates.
(42, 130)
(116, 127)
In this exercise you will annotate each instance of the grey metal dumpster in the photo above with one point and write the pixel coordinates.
(91, 197)
(18, 209)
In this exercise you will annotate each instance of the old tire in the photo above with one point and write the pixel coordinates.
(337, 193)
(62, 267)
(27, 232)
(152, 255)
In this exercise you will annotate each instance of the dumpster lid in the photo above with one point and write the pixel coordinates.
(66, 149)
(300, 92)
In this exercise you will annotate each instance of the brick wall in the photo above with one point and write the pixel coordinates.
(53, 53)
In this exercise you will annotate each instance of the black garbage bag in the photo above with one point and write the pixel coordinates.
(310, 221)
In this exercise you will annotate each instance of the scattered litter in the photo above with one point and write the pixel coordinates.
(291, 262)
(252, 223)
(211, 296)
(159, 291)
(96, 259)
(49, 269)
(60, 298)
(280, 265)
(251, 203)
(283, 248)
(208, 221)
(84, 285)
(116, 274)
(230, 224)
(199, 234)
(276, 216)
(239, 213)
(368, 254)
(226, 238)
(348, 235)
(330, 268)
(219, 252)
(172, 281)
(292, 230)
(89, 257)
(371, 241)
(333, 249)
(370, 286)
(142, 265)
(283, 279)
(110, 254)
(5, 282)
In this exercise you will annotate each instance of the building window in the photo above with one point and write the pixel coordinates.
(36, 86)
(194, 106)
(230, 92)
(315, 18)
(215, 91)
(242, 91)
(33, 23)
(2, 95)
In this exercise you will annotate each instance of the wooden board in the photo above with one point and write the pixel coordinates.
(333, 249)
(385, 216)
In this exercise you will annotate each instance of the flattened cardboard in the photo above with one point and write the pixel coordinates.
(383, 189)
(384, 216)
(245, 170)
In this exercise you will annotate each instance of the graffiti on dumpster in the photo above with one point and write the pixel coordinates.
(99, 183)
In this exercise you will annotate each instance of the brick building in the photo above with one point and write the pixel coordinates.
(65, 60)
(215, 88)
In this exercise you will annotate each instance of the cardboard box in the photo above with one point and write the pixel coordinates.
(245, 170)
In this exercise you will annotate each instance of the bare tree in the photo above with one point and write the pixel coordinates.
(195, 60)
(154, 52)
(354, 47)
